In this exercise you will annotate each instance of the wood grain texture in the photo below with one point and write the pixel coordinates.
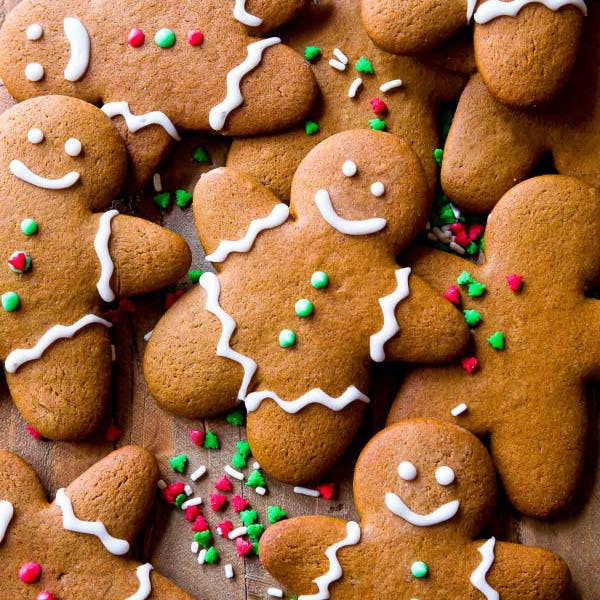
(166, 539)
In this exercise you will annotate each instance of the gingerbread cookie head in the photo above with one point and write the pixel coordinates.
(525, 49)
(79, 544)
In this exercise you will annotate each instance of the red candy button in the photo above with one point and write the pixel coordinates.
(136, 38)
(45, 596)
(195, 37)
(30, 572)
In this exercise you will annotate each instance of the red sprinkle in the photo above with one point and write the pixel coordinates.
(34, 433)
(469, 364)
(378, 106)
(452, 294)
(172, 491)
(223, 485)
(195, 37)
(462, 239)
(113, 433)
(217, 501)
(515, 282)
(327, 490)
(457, 228)
(475, 232)
(45, 596)
(200, 524)
(225, 528)
(239, 503)
(192, 513)
(18, 261)
(197, 436)
(136, 38)
(243, 547)
(30, 572)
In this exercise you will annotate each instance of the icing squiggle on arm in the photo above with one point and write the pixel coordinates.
(219, 113)
(243, 16)
(145, 589)
(6, 514)
(22, 355)
(79, 41)
(277, 217)
(388, 308)
(492, 9)
(106, 263)
(137, 122)
(96, 528)
(478, 576)
(335, 569)
(212, 287)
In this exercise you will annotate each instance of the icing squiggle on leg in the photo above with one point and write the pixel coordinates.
(477, 578)
(137, 122)
(492, 9)
(145, 589)
(106, 264)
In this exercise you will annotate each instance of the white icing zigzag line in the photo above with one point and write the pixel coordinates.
(471, 4)
(24, 173)
(439, 515)
(106, 263)
(492, 9)
(22, 355)
(137, 122)
(79, 41)
(145, 589)
(219, 113)
(212, 287)
(478, 576)
(315, 396)
(243, 16)
(277, 217)
(365, 227)
(6, 514)
(335, 569)
(388, 308)
(96, 528)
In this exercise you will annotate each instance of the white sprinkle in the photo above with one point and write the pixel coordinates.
(446, 228)
(228, 572)
(148, 335)
(161, 484)
(391, 85)
(306, 491)
(378, 189)
(202, 556)
(235, 533)
(455, 211)
(188, 490)
(198, 473)
(454, 246)
(354, 87)
(235, 474)
(191, 502)
(458, 410)
(336, 64)
(443, 237)
(256, 466)
(195, 547)
(113, 353)
(261, 491)
(275, 593)
(340, 56)
(157, 182)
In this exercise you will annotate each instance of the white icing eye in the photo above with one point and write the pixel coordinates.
(349, 168)
(407, 470)
(378, 189)
(35, 136)
(73, 147)
(34, 71)
(34, 32)
(444, 475)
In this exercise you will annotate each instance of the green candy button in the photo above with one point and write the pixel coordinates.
(419, 569)
(319, 280)
(287, 338)
(10, 301)
(29, 226)
(304, 307)
(165, 38)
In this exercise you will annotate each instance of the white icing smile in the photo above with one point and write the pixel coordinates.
(24, 173)
(439, 515)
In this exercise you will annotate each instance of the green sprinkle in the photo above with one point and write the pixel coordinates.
(304, 308)
(10, 301)
(238, 461)
(211, 441)
(162, 199)
(255, 531)
(275, 514)
(319, 280)
(419, 569)
(255, 480)
(472, 248)
(194, 275)
(472, 317)
(481, 244)
(438, 155)
(182, 198)
(464, 278)
(29, 226)
(377, 124)
(236, 417)
(311, 53)
(496, 340)
(475, 289)
(204, 538)
(363, 65)
(287, 338)
(179, 500)
(212, 556)
(244, 448)
(255, 548)
(178, 463)
(248, 517)
(201, 155)
(165, 38)
(311, 127)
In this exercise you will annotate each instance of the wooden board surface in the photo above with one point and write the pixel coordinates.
(166, 539)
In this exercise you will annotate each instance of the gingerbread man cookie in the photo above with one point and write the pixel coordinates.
(360, 86)
(77, 547)
(534, 340)
(524, 49)
(424, 489)
(192, 65)
(306, 296)
(61, 162)
(492, 146)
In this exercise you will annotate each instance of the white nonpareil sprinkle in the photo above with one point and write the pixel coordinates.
(195, 547)
(336, 64)
(148, 335)
(157, 182)
(454, 246)
(391, 85)
(202, 556)
(188, 490)
(228, 572)
(340, 56)
(237, 533)
(161, 484)
(191, 502)
(306, 491)
(354, 87)
(458, 410)
(275, 593)
(261, 491)
(201, 470)
(235, 474)
(256, 466)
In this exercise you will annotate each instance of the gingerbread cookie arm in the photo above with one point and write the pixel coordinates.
(20, 488)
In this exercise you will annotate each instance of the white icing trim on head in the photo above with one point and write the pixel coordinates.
(145, 588)
(79, 40)
(34, 71)
(388, 308)
(243, 16)
(107, 266)
(22, 355)
(6, 514)
(24, 173)
(96, 528)
(277, 217)
(314, 396)
(439, 515)
(219, 113)
(335, 568)
(34, 32)
(136, 122)
(471, 4)
(478, 576)
(211, 285)
(492, 9)
(349, 227)
(354, 87)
